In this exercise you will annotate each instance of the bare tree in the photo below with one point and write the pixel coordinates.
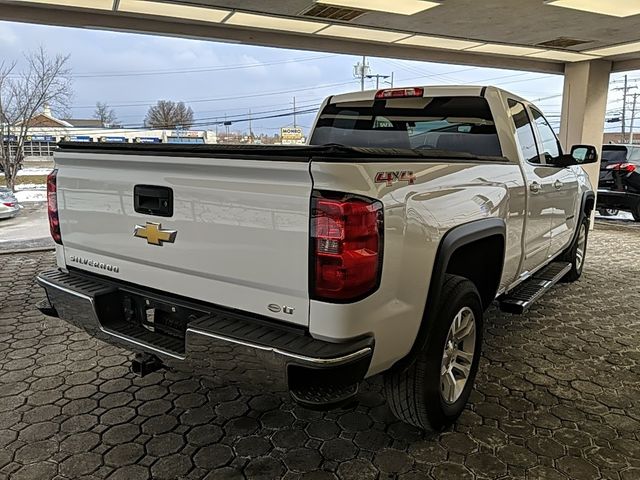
(105, 114)
(46, 81)
(168, 114)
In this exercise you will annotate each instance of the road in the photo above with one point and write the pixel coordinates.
(30, 229)
(556, 397)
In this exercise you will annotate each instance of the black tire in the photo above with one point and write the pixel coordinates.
(576, 254)
(415, 393)
(636, 213)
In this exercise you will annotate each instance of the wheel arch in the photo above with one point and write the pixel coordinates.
(455, 255)
(587, 204)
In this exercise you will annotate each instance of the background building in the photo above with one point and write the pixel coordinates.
(45, 131)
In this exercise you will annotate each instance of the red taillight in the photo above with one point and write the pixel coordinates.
(9, 204)
(626, 167)
(400, 92)
(347, 242)
(52, 206)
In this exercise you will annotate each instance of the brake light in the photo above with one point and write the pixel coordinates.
(9, 204)
(347, 243)
(52, 206)
(626, 167)
(400, 92)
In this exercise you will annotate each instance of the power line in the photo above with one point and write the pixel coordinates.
(219, 99)
(140, 73)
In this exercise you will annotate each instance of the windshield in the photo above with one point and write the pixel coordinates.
(459, 124)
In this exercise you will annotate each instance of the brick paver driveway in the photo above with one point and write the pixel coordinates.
(558, 396)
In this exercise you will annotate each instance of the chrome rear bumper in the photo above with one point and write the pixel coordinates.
(226, 345)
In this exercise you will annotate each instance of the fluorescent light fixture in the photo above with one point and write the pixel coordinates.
(501, 49)
(615, 50)
(402, 7)
(94, 4)
(363, 33)
(439, 42)
(174, 10)
(274, 23)
(620, 8)
(562, 56)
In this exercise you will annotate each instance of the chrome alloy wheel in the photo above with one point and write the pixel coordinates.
(458, 355)
(581, 247)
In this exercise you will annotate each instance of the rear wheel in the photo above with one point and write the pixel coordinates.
(434, 390)
(577, 253)
(636, 213)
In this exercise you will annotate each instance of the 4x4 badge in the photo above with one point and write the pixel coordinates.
(392, 177)
(155, 234)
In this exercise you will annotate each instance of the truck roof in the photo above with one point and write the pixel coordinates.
(429, 91)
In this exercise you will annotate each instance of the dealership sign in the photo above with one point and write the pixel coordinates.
(41, 138)
(291, 135)
(80, 138)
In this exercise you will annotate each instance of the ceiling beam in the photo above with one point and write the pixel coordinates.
(51, 15)
(626, 65)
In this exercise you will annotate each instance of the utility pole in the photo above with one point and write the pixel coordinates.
(250, 129)
(377, 76)
(360, 71)
(294, 113)
(633, 115)
(624, 110)
(625, 91)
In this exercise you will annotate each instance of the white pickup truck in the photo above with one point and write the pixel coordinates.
(373, 250)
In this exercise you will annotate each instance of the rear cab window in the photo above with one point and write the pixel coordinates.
(614, 154)
(455, 124)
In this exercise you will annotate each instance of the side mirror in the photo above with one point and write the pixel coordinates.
(583, 154)
(580, 155)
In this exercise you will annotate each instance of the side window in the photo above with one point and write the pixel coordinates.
(634, 154)
(550, 144)
(524, 131)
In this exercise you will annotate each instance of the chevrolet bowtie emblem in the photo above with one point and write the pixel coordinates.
(154, 233)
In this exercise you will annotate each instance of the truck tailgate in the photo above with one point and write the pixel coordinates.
(242, 227)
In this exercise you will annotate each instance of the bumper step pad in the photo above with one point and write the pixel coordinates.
(528, 292)
(324, 397)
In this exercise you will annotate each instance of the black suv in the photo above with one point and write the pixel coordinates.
(619, 185)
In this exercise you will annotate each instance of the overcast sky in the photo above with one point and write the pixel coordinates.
(131, 72)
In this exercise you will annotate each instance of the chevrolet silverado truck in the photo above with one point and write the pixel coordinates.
(374, 249)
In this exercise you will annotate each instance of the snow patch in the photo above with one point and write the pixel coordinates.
(32, 171)
(31, 195)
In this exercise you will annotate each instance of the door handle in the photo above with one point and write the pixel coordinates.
(557, 184)
(535, 187)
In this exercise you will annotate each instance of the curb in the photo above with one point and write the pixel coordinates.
(601, 224)
(27, 250)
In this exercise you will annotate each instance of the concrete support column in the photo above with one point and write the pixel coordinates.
(584, 104)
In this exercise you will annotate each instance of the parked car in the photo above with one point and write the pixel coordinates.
(619, 183)
(9, 206)
(376, 249)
